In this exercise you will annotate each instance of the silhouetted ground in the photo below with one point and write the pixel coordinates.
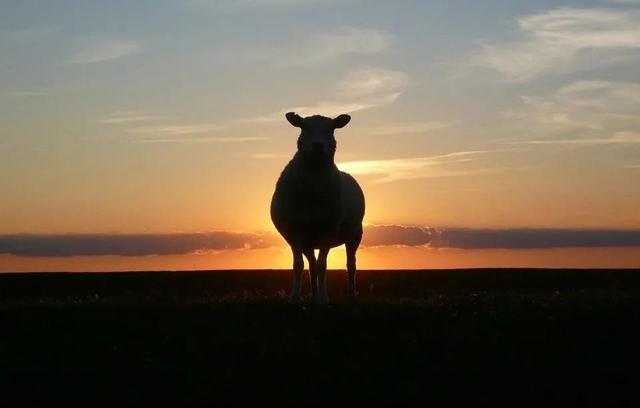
(525, 337)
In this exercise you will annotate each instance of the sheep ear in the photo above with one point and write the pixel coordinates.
(294, 119)
(341, 121)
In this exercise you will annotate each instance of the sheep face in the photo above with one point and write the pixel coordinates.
(316, 141)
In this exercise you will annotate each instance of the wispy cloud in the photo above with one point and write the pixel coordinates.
(326, 47)
(366, 81)
(331, 46)
(582, 112)
(177, 130)
(148, 131)
(446, 165)
(558, 39)
(267, 156)
(617, 138)
(214, 139)
(405, 128)
(104, 51)
(125, 117)
(363, 88)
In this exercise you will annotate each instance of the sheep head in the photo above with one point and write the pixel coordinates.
(316, 142)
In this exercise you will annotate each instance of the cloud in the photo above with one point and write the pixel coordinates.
(172, 133)
(177, 130)
(169, 133)
(561, 40)
(131, 244)
(589, 112)
(124, 117)
(104, 51)
(179, 133)
(517, 238)
(267, 156)
(367, 81)
(220, 139)
(405, 128)
(362, 88)
(447, 165)
(68, 245)
(388, 235)
(326, 47)
(330, 47)
(618, 138)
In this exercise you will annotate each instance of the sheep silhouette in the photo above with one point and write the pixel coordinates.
(317, 206)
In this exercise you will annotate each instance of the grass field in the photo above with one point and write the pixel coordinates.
(526, 337)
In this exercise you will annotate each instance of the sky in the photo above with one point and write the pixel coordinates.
(149, 135)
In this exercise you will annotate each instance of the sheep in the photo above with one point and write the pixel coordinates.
(317, 206)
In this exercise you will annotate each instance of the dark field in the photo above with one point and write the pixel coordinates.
(420, 338)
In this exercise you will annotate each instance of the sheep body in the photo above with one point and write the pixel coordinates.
(313, 210)
(317, 206)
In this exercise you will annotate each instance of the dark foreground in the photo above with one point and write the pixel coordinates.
(524, 337)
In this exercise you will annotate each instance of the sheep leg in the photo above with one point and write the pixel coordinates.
(298, 266)
(351, 270)
(321, 266)
(313, 274)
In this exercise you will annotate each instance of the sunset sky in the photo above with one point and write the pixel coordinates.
(150, 134)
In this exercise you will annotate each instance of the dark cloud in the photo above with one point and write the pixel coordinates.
(130, 244)
(381, 235)
(34, 245)
(462, 238)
